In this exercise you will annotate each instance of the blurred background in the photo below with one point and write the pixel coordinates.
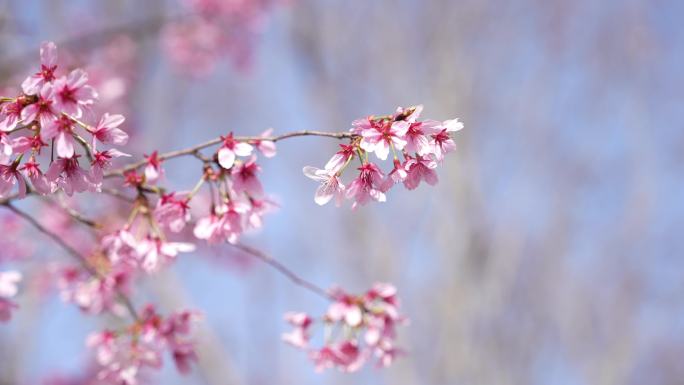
(549, 253)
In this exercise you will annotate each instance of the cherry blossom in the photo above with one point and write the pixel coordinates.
(72, 94)
(341, 158)
(102, 160)
(10, 177)
(38, 179)
(172, 212)
(367, 186)
(420, 169)
(266, 147)
(43, 109)
(153, 170)
(62, 129)
(48, 65)
(380, 135)
(442, 142)
(330, 185)
(397, 175)
(107, 130)
(244, 177)
(154, 252)
(68, 175)
(300, 335)
(230, 149)
(94, 295)
(10, 115)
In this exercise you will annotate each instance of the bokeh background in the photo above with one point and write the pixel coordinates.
(549, 253)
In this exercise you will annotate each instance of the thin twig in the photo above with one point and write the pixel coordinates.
(193, 150)
(74, 214)
(292, 276)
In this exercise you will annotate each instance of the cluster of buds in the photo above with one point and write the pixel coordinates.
(357, 328)
(50, 112)
(124, 354)
(417, 148)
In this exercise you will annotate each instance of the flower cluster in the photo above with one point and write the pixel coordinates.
(214, 29)
(119, 256)
(417, 148)
(8, 289)
(357, 328)
(50, 112)
(237, 197)
(124, 354)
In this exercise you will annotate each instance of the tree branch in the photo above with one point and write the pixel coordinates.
(194, 150)
(292, 276)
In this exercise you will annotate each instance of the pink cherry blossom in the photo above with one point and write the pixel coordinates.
(345, 355)
(101, 161)
(267, 147)
(345, 308)
(120, 247)
(417, 139)
(367, 186)
(71, 93)
(442, 142)
(38, 179)
(341, 158)
(154, 253)
(210, 228)
(63, 129)
(330, 185)
(259, 207)
(24, 144)
(94, 295)
(10, 115)
(300, 335)
(420, 168)
(397, 175)
(107, 130)
(153, 170)
(230, 149)
(172, 212)
(224, 224)
(43, 109)
(379, 135)
(244, 177)
(9, 177)
(69, 176)
(48, 65)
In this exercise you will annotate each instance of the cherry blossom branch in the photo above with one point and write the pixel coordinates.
(73, 252)
(195, 149)
(292, 276)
